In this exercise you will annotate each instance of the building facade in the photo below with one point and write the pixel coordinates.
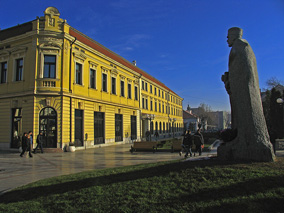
(56, 80)
(191, 121)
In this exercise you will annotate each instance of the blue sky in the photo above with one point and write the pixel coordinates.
(182, 43)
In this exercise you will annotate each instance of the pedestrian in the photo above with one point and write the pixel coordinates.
(39, 141)
(156, 135)
(25, 145)
(31, 140)
(148, 133)
(187, 144)
(198, 141)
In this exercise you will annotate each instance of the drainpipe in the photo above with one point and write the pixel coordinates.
(140, 111)
(70, 89)
(61, 86)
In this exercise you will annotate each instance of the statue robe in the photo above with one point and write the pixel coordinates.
(252, 141)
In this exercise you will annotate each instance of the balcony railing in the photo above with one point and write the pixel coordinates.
(47, 82)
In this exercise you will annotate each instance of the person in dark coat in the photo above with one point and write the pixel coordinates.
(156, 135)
(148, 134)
(187, 144)
(25, 145)
(198, 141)
(39, 141)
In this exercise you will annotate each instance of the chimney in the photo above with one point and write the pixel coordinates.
(134, 63)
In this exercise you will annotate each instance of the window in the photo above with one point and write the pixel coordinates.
(122, 88)
(19, 69)
(151, 105)
(146, 103)
(3, 70)
(129, 91)
(156, 106)
(163, 108)
(159, 107)
(151, 89)
(143, 85)
(155, 91)
(136, 93)
(159, 93)
(78, 77)
(92, 78)
(104, 86)
(113, 85)
(162, 94)
(49, 66)
(146, 86)
(143, 106)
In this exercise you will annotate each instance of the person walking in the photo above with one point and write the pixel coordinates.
(187, 144)
(198, 141)
(39, 141)
(148, 134)
(25, 145)
(30, 136)
(156, 135)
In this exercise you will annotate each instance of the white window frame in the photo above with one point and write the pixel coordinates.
(82, 74)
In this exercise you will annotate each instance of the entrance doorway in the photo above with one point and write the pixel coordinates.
(79, 139)
(16, 127)
(133, 127)
(118, 127)
(48, 126)
(99, 127)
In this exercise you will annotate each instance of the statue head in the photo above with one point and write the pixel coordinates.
(233, 34)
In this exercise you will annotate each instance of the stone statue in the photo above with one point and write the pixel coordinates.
(241, 82)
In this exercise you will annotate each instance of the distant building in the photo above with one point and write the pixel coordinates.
(215, 120)
(220, 120)
(190, 121)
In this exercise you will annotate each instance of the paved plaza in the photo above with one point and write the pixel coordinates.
(16, 171)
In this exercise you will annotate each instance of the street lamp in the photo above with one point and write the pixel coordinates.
(174, 120)
(280, 101)
(170, 129)
(149, 117)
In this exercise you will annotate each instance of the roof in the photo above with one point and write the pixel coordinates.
(188, 115)
(95, 45)
(16, 30)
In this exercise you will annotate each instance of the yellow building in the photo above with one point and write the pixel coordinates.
(57, 80)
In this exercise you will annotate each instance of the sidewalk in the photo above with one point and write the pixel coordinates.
(16, 171)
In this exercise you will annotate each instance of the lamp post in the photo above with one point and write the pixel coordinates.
(280, 101)
(150, 117)
(169, 126)
(174, 120)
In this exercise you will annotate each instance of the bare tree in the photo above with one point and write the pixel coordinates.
(273, 82)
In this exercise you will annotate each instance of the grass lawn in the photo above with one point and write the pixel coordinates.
(191, 186)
